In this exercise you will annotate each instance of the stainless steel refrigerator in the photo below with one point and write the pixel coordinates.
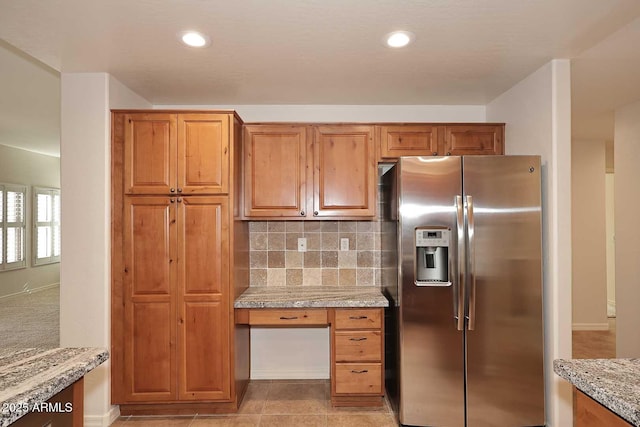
(461, 265)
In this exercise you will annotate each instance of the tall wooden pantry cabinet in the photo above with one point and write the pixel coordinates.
(175, 271)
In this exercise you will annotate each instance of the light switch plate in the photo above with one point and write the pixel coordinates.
(344, 244)
(302, 244)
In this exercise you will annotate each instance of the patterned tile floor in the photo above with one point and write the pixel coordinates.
(279, 403)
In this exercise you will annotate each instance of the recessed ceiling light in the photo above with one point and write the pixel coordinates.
(398, 38)
(194, 39)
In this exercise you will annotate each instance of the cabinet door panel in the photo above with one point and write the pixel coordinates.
(203, 153)
(409, 140)
(203, 245)
(204, 343)
(149, 153)
(204, 316)
(473, 139)
(275, 159)
(148, 239)
(344, 171)
(149, 299)
(149, 352)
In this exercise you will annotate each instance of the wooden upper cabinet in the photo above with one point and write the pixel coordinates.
(149, 153)
(439, 140)
(409, 140)
(473, 139)
(203, 154)
(275, 174)
(345, 171)
(176, 153)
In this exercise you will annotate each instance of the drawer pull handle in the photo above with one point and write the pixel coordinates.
(361, 371)
(288, 318)
(357, 317)
(358, 339)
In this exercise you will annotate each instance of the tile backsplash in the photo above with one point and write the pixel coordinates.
(275, 260)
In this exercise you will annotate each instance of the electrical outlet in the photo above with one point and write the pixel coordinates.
(344, 244)
(302, 244)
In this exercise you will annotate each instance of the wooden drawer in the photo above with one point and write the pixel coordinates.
(358, 318)
(288, 317)
(358, 346)
(358, 378)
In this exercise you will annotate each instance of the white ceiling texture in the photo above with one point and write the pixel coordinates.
(466, 52)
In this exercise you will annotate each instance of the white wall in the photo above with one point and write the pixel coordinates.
(350, 113)
(271, 349)
(85, 268)
(589, 263)
(627, 206)
(537, 113)
(31, 169)
(611, 243)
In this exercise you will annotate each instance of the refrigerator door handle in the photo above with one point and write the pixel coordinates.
(459, 282)
(472, 263)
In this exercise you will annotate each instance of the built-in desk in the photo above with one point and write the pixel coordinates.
(355, 317)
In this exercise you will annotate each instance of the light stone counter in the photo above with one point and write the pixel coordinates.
(30, 376)
(614, 383)
(310, 297)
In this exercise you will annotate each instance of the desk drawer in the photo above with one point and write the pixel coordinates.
(287, 317)
(358, 318)
(358, 346)
(358, 378)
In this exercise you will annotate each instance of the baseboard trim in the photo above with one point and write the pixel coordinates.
(273, 374)
(102, 420)
(590, 326)
(31, 291)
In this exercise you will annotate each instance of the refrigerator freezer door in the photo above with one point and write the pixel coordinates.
(505, 380)
(431, 350)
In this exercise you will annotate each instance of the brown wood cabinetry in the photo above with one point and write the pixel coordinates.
(275, 175)
(439, 140)
(309, 171)
(167, 153)
(357, 357)
(409, 140)
(462, 140)
(590, 413)
(172, 262)
(344, 171)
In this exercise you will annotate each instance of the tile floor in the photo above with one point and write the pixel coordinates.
(280, 403)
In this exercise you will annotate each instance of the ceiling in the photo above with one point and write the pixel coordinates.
(466, 52)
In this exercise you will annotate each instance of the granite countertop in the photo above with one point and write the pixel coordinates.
(614, 383)
(310, 297)
(29, 376)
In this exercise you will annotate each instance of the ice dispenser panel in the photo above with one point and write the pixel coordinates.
(432, 256)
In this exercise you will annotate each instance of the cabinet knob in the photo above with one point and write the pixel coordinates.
(448, 153)
(173, 190)
(301, 213)
(172, 200)
(179, 199)
(315, 213)
(179, 190)
(435, 153)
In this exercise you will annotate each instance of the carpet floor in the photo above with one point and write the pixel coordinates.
(31, 320)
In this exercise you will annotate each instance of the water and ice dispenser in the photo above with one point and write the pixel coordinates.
(432, 256)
